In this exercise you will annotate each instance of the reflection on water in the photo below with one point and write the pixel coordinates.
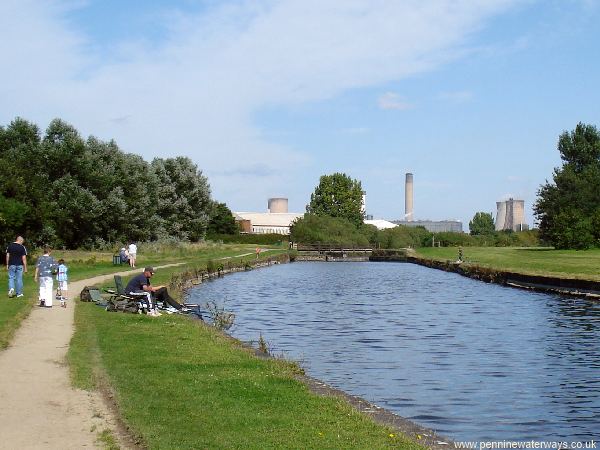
(471, 360)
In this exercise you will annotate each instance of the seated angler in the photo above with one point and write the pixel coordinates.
(141, 285)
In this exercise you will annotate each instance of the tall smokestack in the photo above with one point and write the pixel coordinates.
(408, 198)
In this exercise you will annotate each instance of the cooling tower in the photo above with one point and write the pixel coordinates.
(500, 215)
(278, 205)
(511, 215)
(408, 198)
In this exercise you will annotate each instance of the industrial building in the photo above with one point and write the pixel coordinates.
(380, 223)
(433, 226)
(276, 220)
(510, 215)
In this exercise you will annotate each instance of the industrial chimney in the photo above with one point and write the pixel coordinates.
(408, 198)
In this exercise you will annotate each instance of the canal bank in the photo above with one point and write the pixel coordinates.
(187, 280)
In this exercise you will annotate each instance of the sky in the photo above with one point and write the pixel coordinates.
(266, 96)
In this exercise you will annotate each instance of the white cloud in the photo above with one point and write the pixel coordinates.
(198, 91)
(391, 100)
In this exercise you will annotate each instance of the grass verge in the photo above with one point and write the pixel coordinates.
(582, 264)
(181, 384)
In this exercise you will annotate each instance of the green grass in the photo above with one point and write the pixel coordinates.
(181, 384)
(14, 310)
(581, 264)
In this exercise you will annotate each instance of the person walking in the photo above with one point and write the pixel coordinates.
(43, 271)
(132, 254)
(16, 264)
(61, 279)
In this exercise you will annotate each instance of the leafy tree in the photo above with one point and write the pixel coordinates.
(184, 197)
(12, 218)
(222, 220)
(66, 190)
(339, 196)
(482, 224)
(568, 208)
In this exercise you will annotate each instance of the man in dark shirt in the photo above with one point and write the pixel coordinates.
(140, 285)
(16, 264)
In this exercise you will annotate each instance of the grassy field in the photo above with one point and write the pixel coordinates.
(182, 384)
(583, 264)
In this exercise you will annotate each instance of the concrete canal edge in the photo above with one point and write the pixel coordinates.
(419, 434)
(564, 286)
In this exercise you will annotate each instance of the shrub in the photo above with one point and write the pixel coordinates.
(312, 229)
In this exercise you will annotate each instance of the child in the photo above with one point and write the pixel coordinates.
(61, 278)
(43, 270)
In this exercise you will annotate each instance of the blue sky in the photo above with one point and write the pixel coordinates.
(266, 96)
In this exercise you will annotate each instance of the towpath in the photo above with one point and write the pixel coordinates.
(39, 409)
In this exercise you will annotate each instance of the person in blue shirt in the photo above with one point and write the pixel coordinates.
(62, 278)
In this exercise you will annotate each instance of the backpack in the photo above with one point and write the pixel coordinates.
(85, 296)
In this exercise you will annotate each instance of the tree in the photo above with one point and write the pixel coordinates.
(66, 190)
(222, 220)
(337, 195)
(568, 208)
(482, 224)
(184, 201)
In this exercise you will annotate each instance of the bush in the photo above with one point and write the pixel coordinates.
(402, 237)
(312, 229)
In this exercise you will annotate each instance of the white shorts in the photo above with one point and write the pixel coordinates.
(63, 286)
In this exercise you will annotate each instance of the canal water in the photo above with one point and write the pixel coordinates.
(473, 361)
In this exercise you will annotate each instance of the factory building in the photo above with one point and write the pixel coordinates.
(510, 215)
(433, 226)
(380, 224)
(276, 220)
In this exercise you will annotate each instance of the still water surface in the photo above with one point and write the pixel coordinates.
(473, 361)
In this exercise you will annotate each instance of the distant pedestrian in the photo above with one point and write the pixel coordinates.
(62, 277)
(257, 252)
(460, 254)
(44, 269)
(16, 264)
(132, 254)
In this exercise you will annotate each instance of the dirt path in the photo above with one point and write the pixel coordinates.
(39, 409)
